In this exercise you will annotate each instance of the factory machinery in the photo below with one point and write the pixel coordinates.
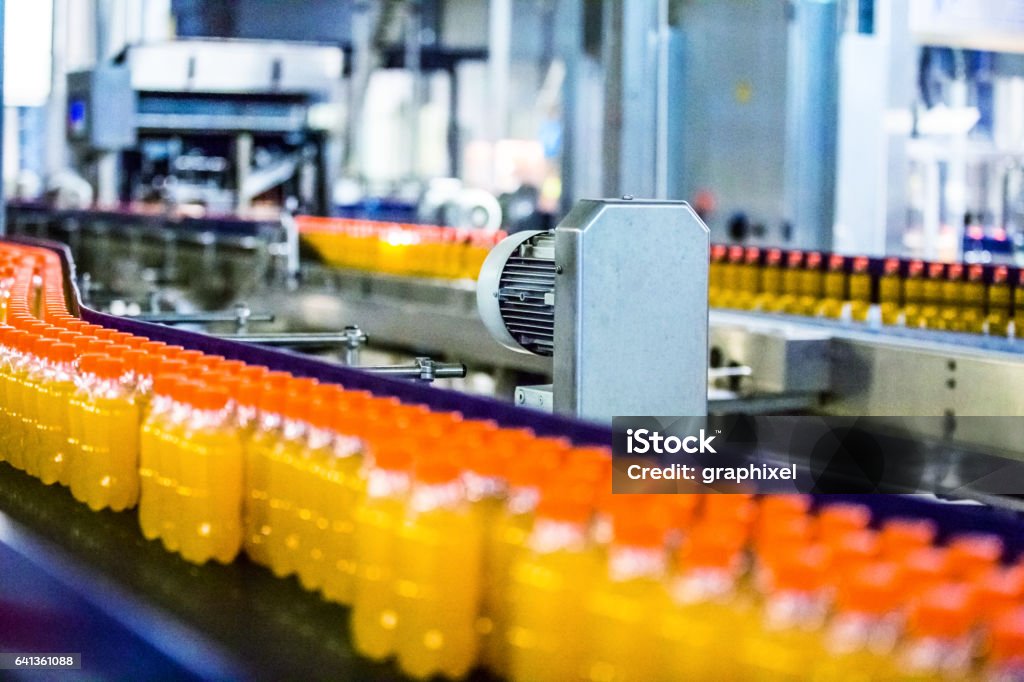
(162, 487)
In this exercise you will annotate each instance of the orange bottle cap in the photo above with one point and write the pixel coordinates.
(924, 568)
(209, 397)
(974, 553)
(567, 503)
(718, 547)
(838, 518)
(637, 531)
(772, 507)
(873, 589)
(998, 590)
(802, 570)
(166, 383)
(902, 535)
(434, 468)
(393, 454)
(731, 507)
(946, 611)
(110, 368)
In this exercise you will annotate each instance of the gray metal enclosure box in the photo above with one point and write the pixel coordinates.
(631, 310)
(101, 109)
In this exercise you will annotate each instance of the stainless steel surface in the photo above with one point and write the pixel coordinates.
(631, 311)
(241, 318)
(811, 114)
(354, 340)
(782, 357)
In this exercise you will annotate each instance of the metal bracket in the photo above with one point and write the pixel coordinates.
(354, 339)
(242, 316)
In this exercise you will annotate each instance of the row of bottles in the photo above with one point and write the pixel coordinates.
(978, 299)
(456, 543)
(399, 249)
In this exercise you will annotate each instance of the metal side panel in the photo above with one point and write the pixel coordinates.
(631, 311)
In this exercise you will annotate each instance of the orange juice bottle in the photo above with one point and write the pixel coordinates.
(901, 536)
(286, 468)
(437, 572)
(332, 459)
(378, 516)
(749, 279)
(258, 451)
(787, 642)
(811, 287)
(171, 435)
(110, 431)
(973, 554)
(716, 275)
(860, 289)
(704, 607)
(999, 302)
(505, 540)
(17, 390)
(862, 635)
(57, 384)
(549, 583)
(731, 270)
(792, 276)
(621, 642)
(210, 479)
(939, 642)
(8, 352)
(771, 282)
(917, 295)
(32, 423)
(834, 289)
(153, 441)
(891, 292)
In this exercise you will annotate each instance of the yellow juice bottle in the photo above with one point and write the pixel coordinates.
(57, 386)
(17, 394)
(338, 485)
(811, 286)
(716, 275)
(786, 641)
(153, 437)
(311, 524)
(771, 282)
(32, 388)
(834, 289)
(287, 467)
(860, 289)
(437, 572)
(891, 292)
(792, 276)
(168, 463)
(1018, 306)
(703, 608)
(973, 300)
(74, 469)
(505, 538)
(7, 353)
(621, 636)
(952, 308)
(932, 292)
(110, 431)
(259, 448)
(731, 269)
(548, 586)
(914, 295)
(378, 516)
(861, 637)
(749, 279)
(998, 302)
(210, 478)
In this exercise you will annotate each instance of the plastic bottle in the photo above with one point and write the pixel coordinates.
(505, 538)
(110, 431)
(548, 586)
(286, 473)
(703, 606)
(939, 642)
(57, 384)
(17, 394)
(258, 450)
(621, 642)
(333, 460)
(793, 610)
(900, 536)
(153, 445)
(861, 637)
(378, 517)
(210, 479)
(32, 388)
(973, 554)
(437, 571)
